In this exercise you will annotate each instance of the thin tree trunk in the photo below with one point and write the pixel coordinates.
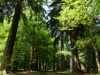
(54, 58)
(36, 64)
(54, 61)
(57, 64)
(70, 63)
(25, 62)
(31, 57)
(96, 56)
(63, 67)
(39, 65)
(11, 39)
(95, 46)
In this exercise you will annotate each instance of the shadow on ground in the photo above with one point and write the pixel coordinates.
(52, 73)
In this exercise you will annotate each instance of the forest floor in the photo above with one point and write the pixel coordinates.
(68, 72)
(48, 73)
(43, 73)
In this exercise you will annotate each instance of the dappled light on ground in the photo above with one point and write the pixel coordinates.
(52, 73)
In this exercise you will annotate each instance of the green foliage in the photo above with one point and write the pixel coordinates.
(34, 34)
(65, 53)
(97, 74)
(4, 30)
(1, 73)
(68, 72)
(77, 12)
(32, 31)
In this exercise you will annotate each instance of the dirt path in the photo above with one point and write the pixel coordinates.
(50, 73)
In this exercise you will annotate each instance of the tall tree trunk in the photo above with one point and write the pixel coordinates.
(54, 58)
(36, 64)
(25, 62)
(95, 46)
(57, 64)
(31, 58)
(11, 39)
(39, 65)
(54, 61)
(75, 58)
(96, 56)
(63, 67)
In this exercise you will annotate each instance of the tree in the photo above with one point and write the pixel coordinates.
(10, 4)
(72, 16)
(11, 38)
(53, 25)
(37, 47)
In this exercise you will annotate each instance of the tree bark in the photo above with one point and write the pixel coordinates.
(95, 46)
(11, 39)
(63, 67)
(39, 65)
(31, 58)
(96, 56)
(89, 58)
(54, 61)
(75, 57)
(36, 64)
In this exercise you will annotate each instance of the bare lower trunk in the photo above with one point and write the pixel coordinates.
(63, 66)
(95, 46)
(31, 58)
(11, 39)
(39, 65)
(96, 56)
(75, 58)
(75, 61)
(54, 60)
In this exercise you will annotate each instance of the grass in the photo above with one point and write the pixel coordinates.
(44, 73)
(30, 73)
(1, 73)
(63, 74)
(68, 72)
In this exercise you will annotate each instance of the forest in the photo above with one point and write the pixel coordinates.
(49, 37)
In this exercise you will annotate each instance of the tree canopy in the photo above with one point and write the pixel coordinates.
(66, 36)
